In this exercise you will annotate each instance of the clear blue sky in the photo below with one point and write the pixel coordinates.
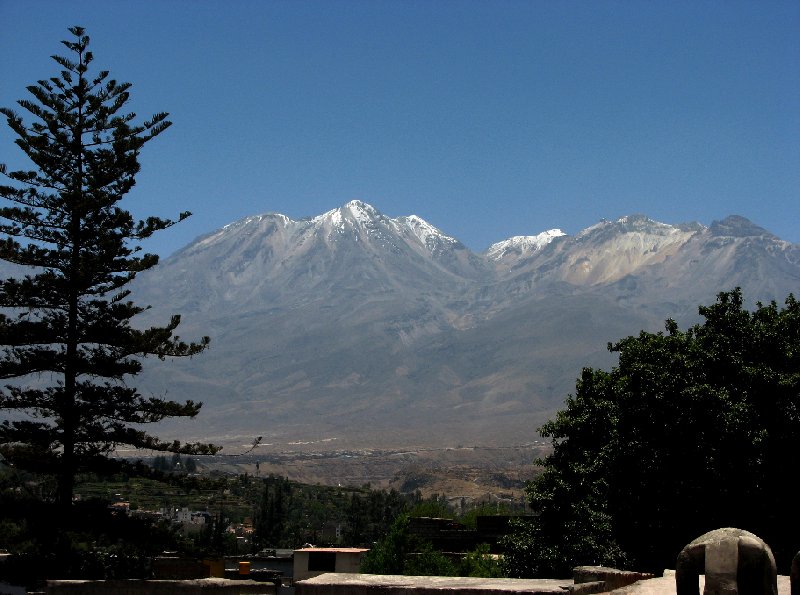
(487, 118)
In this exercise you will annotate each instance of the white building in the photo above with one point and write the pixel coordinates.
(313, 561)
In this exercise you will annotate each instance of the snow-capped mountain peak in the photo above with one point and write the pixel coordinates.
(362, 221)
(356, 213)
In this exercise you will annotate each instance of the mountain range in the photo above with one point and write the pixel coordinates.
(364, 330)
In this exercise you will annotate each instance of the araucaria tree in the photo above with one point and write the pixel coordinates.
(692, 430)
(65, 320)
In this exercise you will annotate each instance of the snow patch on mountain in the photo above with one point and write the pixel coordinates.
(430, 237)
(362, 212)
(520, 245)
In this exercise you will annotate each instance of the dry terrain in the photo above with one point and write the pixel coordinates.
(474, 473)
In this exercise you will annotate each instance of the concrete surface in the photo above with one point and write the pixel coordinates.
(366, 584)
(666, 586)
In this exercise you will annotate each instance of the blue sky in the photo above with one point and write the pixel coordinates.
(487, 118)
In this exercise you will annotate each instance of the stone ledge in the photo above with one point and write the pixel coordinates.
(205, 586)
(362, 584)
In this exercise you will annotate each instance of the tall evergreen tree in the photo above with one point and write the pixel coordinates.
(68, 345)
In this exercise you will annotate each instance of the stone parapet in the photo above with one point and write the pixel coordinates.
(610, 577)
(588, 588)
(206, 586)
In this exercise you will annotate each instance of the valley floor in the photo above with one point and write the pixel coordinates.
(463, 473)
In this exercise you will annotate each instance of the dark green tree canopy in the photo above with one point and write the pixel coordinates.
(692, 430)
(65, 319)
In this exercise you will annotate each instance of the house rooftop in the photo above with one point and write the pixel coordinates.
(346, 550)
